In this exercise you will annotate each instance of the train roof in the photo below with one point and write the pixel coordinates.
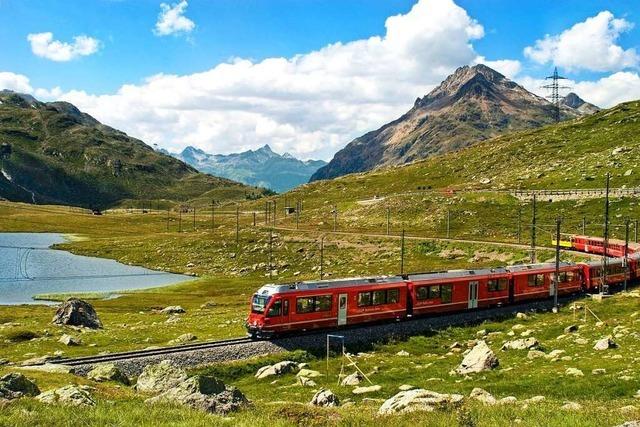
(455, 274)
(610, 261)
(272, 288)
(539, 266)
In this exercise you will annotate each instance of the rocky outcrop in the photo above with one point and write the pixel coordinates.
(279, 368)
(204, 393)
(420, 400)
(107, 372)
(480, 358)
(70, 395)
(76, 312)
(160, 378)
(15, 385)
(173, 309)
(325, 398)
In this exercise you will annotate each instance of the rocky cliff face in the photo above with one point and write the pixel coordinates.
(471, 105)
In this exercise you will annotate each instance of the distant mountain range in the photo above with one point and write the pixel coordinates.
(61, 155)
(471, 105)
(261, 167)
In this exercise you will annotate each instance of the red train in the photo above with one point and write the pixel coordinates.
(281, 308)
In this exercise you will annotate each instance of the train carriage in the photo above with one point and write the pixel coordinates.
(325, 304)
(616, 273)
(534, 281)
(456, 290)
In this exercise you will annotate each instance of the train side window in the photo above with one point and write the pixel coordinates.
(393, 296)
(434, 292)
(364, 299)
(275, 310)
(445, 293)
(379, 297)
(503, 284)
(323, 303)
(535, 280)
(422, 292)
(495, 285)
(285, 307)
(304, 305)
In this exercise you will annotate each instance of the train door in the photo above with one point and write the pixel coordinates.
(342, 309)
(473, 294)
(285, 313)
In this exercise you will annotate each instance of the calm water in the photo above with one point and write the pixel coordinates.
(26, 272)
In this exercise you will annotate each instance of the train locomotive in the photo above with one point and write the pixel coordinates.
(327, 304)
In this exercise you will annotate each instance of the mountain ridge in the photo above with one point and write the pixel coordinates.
(260, 167)
(472, 104)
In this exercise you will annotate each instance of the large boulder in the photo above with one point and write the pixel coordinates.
(483, 396)
(352, 380)
(204, 393)
(69, 340)
(160, 378)
(173, 309)
(16, 385)
(107, 372)
(76, 312)
(521, 344)
(325, 398)
(71, 395)
(605, 344)
(419, 400)
(480, 358)
(279, 368)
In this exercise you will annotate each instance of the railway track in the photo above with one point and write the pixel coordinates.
(137, 354)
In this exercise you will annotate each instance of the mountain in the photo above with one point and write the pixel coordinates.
(261, 167)
(61, 155)
(575, 102)
(471, 105)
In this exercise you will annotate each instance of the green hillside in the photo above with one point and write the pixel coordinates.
(61, 155)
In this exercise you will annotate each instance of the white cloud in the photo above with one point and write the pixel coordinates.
(310, 104)
(43, 45)
(15, 82)
(590, 45)
(171, 19)
(509, 67)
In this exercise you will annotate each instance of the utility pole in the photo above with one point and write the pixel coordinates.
(626, 252)
(266, 210)
(237, 225)
(448, 223)
(270, 252)
(388, 221)
(254, 218)
(321, 257)
(297, 214)
(275, 212)
(556, 280)
(402, 253)
(335, 218)
(213, 215)
(555, 97)
(606, 237)
(533, 231)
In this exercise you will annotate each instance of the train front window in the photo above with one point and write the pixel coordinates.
(275, 309)
(259, 303)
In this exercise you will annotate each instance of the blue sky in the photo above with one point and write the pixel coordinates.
(312, 105)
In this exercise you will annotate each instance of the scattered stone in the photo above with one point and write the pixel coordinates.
(522, 316)
(51, 368)
(76, 312)
(107, 372)
(69, 340)
(575, 372)
(173, 309)
(184, 338)
(403, 353)
(208, 304)
(629, 409)
(405, 387)
(571, 328)
(325, 398)
(480, 358)
(71, 395)
(483, 396)
(204, 393)
(521, 344)
(535, 354)
(15, 385)
(605, 344)
(535, 399)
(279, 368)
(598, 371)
(352, 380)
(554, 354)
(509, 400)
(571, 406)
(581, 341)
(306, 382)
(419, 400)
(369, 389)
(309, 373)
(160, 378)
